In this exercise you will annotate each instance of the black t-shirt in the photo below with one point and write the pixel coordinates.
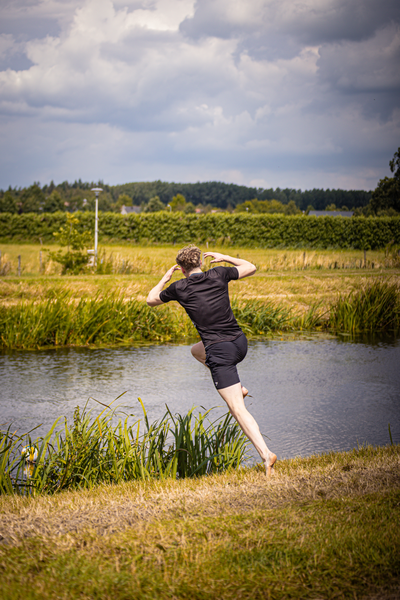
(205, 298)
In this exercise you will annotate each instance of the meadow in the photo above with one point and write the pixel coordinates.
(341, 290)
(322, 527)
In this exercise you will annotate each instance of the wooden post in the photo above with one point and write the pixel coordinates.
(19, 265)
(40, 262)
(304, 260)
(365, 259)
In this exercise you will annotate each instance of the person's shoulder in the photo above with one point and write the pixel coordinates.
(227, 273)
(172, 291)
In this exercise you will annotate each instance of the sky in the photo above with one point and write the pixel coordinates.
(264, 93)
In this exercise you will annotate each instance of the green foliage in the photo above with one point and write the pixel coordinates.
(123, 200)
(179, 204)
(154, 205)
(394, 164)
(8, 203)
(53, 203)
(94, 451)
(255, 230)
(268, 206)
(386, 197)
(76, 258)
(111, 320)
(62, 321)
(374, 307)
(31, 199)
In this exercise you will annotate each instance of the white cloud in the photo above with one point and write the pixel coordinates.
(261, 91)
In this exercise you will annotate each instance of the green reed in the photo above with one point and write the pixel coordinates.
(112, 319)
(373, 307)
(63, 321)
(93, 450)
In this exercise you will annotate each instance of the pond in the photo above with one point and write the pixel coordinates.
(309, 395)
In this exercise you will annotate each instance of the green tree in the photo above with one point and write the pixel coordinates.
(53, 203)
(154, 205)
(31, 199)
(76, 258)
(291, 208)
(262, 206)
(178, 203)
(394, 165)
(123, 200)
(8, 203)
(189, 208)
(385, 198)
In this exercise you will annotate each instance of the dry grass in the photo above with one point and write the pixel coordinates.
(110, 508)
(323, 527)
(155, 259)
(294, 278)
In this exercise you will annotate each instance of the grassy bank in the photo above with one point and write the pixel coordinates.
(322, 527)
(63, 320)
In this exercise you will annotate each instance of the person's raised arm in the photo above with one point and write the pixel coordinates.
(244, 267)
(153, 299)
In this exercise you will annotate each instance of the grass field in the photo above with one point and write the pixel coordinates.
(292, 277)
(322, 527)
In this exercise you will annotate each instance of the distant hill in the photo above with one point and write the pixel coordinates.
(77, 196)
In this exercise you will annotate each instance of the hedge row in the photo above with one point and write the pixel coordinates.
(267, 231)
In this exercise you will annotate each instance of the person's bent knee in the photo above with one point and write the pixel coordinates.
(198, 352)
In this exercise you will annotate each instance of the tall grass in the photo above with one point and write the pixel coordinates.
(94, 451)
(373, 307)
(112, 319)
(100, 320)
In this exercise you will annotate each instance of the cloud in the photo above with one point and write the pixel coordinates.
(267, 91)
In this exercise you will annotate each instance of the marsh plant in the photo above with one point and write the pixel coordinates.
(93, 450)
(371, 308)
(112, 319)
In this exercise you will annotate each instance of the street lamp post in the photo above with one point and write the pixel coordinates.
(96, 223)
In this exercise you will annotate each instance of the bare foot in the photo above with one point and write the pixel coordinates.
(245, 391)
(269, 464)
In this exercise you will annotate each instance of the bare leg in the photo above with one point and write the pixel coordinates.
(199, 354)
(233, 396)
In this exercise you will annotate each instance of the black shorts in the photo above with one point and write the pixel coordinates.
(222, 359)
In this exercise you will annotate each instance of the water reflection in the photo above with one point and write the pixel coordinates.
(309, 395)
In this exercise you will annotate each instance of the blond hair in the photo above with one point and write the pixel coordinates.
(189, 258)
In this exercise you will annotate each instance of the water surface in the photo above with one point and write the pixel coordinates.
(308, 395)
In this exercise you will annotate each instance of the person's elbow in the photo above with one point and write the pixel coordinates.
(252, 269)
(246, 270)
(153, 300)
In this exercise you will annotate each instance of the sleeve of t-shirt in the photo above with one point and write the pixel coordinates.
(169, 294)
(229, 273)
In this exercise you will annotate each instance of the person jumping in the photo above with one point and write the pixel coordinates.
(205, 298)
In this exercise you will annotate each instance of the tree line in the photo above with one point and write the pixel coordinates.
(203, 197)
